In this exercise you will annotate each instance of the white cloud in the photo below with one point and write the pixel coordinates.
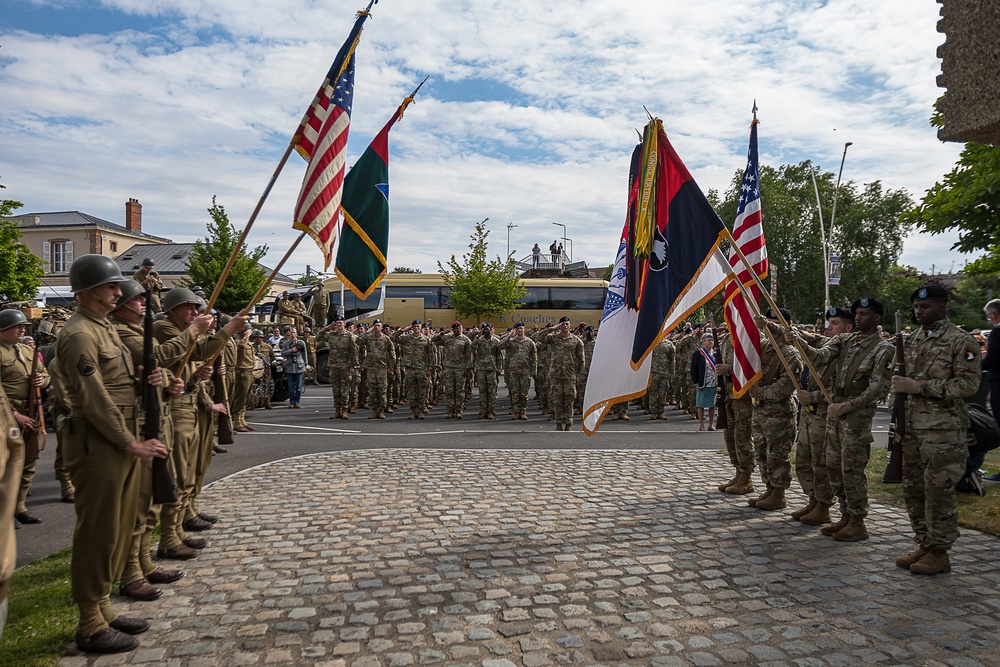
(528, 116)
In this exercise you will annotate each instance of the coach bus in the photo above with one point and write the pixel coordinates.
(424, 296)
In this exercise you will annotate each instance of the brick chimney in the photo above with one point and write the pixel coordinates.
(133, 215)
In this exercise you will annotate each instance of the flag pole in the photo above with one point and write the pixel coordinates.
(767, 332)
(781, 318)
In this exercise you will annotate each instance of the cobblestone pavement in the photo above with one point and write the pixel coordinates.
(498, 558)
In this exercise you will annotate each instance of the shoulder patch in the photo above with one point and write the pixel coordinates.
(970, 354)
(85, 366)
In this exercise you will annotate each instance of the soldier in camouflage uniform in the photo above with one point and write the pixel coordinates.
(520, 365)
(417, 357)
(542, 379)
(589, 342)
(379, 360)
(942, 368)
(863, 367)
(738, 431)
(566, 363)
(456, 349)
(342, 360)
(774, 421)
(488, 360)
(659, 378)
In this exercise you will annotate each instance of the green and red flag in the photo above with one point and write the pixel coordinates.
(364, 238)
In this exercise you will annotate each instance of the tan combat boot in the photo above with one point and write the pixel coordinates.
(726, 485)
(767, 494)
(742, 486)
(854, 531)
(834, 527)
(934, 561)
(909, 559)
(798, 514)
(819, 515)
(775, 501)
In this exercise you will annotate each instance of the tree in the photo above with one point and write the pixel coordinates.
(608, 272)
(894, 293)
(209, 257)
(405, 269)
(479, 287)
(868, 234)
(20, 268)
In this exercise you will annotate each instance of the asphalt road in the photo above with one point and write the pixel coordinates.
(282, 433)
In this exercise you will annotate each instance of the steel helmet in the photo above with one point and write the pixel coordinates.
(11, 318)
(130, 289)
(90, 271)
(148, 262)
(178, 296)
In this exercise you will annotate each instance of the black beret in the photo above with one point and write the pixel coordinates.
(415, 322)
(519, 324)
(564, 318)
(338, 318)
(785, 313)
(930, 293)
(377, 321)
(839, 312)
(870, 303)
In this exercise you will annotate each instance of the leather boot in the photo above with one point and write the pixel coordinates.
(909, 559)
(558, 426)
(834, 527)
(742, 486)
(775, 501)
(724, 485)
(764, 496)
(819, 515)
(934, 562)
(854, 531)
(140, 590)
(798, 514)
(108, 640)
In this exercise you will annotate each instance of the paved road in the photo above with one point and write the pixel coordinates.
(283, 433)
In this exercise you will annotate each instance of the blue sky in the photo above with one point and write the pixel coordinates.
(529, 115)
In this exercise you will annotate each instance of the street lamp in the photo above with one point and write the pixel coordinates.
(826, 236)
(510, 226)
(566, 240)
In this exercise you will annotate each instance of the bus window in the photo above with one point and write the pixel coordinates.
(536, 298)
(577, 298)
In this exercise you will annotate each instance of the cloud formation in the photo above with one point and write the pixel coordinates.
(529, 115)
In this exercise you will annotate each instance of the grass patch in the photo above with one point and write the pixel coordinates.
(980, 513)
(42, 616)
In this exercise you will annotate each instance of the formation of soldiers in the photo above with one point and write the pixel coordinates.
(93, 375)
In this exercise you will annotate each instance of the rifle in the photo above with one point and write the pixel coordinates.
(897, 426)
(721, 418)
(219, 395)
(164, 491)
(34, 439)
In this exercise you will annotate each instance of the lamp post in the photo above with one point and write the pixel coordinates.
(513, 267)
(565, 239)
(826, 235)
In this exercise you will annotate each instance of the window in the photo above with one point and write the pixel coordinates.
(114, 246)
(57, 254)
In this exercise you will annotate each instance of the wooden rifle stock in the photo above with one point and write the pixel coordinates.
(164, 490)
(34, 439)
(219, 395)
(897, 425)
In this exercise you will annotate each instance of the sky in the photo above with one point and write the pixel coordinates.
(528, 118)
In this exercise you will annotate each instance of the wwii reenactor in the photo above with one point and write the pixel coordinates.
(488, 360)
(417, 356)
(150, 279)
(863, 367)
(11, 462)
(264, 349)
(380, 358)
(942, 369)
(102, 452)
(566, 364)
(456, 349)
(342, 360)
(16, 362)
(320, 304)
(239, 395)
(774, 419)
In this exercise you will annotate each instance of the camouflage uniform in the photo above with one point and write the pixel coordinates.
(659, 377)
(488, 362)
(863, 373)
(581, 383)
(946, 362)
(520, 365)
(811, 439)
(542, 378)
(417, 357)
(739, 419)
(380, 358)
(566, 363)
(456, 353)
(341, 361)
(774, 416)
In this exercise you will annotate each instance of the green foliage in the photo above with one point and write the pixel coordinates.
(42, 615)
(405, 269)
(965, 305)
(209, 257)
(868, 233)
(894, 293)
(968, 199)
(19, 267)
(607, 272)
(479, 287)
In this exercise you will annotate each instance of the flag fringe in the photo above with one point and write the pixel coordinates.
(327, 251)
(604, 406)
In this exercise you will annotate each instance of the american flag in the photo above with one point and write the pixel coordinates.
(321, 139)
(749, 234)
